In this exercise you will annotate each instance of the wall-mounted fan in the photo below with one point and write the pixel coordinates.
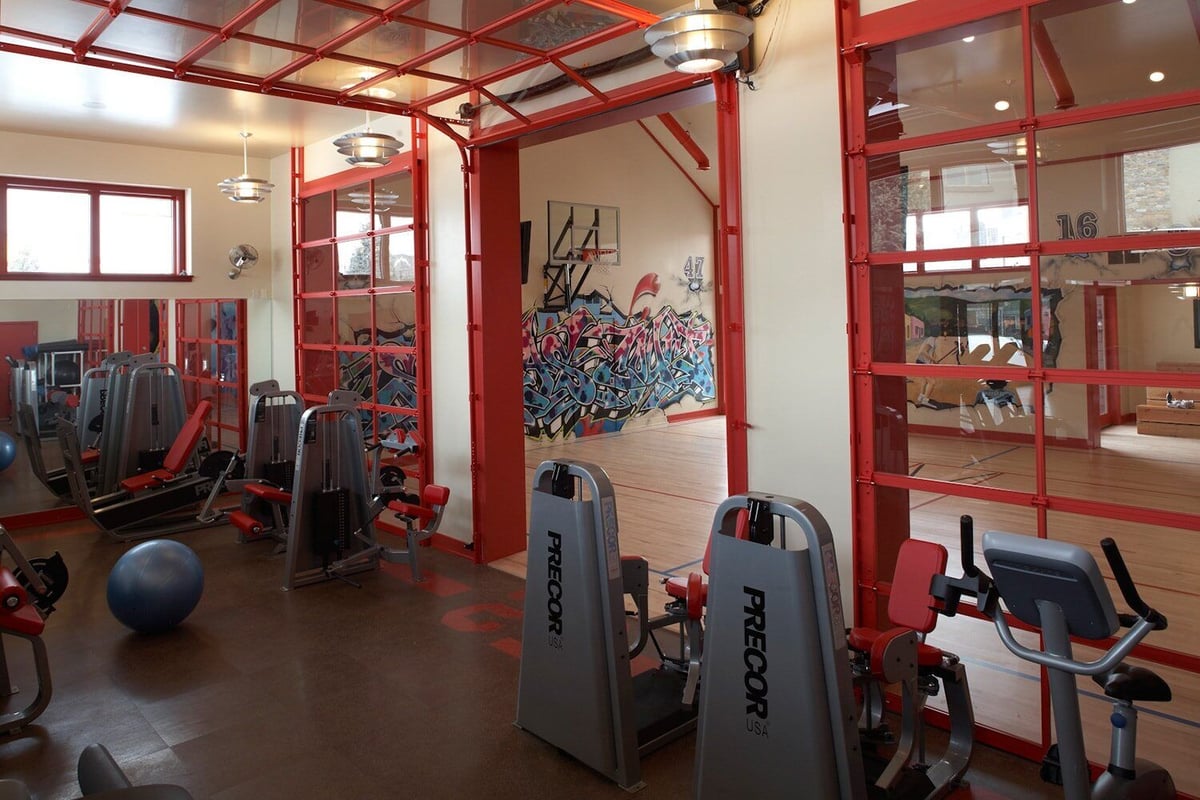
(242, 256)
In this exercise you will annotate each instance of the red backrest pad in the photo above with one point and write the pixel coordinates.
(188, 436)
(434, 495)
(916, 564)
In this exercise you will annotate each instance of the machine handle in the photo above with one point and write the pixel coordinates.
(966, 545)
(1128, 589)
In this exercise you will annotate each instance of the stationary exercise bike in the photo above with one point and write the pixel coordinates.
(1057, 588)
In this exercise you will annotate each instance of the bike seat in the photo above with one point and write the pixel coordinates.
(1132, 684)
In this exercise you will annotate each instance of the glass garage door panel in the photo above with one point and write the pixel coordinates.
(1119, 176)
(967, 194)
(951, 79)
(956, 429)
(1154, 43)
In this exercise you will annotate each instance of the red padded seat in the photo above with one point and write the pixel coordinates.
(265, 491)
(177, 456)
(694, 588)
(432, 498)
(910, 606)
(862, 639)
(89, 456)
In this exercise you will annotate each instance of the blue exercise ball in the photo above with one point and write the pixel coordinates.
(8, 451)
(154, 586)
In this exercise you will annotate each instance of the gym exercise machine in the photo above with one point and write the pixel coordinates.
(684, 611)
(274, 422)
(144, 410)
(99, 775)
(900, 655)
(775, 614)
(576, 688)
(333, 505)
(778, 717)
(1057, 588)
(55, 480)
(158, 502)
(28, 591)
(89, 419)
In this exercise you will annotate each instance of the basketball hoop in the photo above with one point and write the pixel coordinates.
(590, 255)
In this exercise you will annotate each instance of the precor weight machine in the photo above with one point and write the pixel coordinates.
(334, 505)
(576, 689)
(777, 710)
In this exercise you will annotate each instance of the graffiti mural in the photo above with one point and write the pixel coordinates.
(394, 380)
(594, 368)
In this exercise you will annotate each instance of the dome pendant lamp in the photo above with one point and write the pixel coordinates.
(367, 149)
(244, 189)
(699, 41)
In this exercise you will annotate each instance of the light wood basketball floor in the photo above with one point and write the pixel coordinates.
(670, 479)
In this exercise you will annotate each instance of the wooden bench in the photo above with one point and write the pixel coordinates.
(1155, 418)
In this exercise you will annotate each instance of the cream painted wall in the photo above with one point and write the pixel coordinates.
(1161, 317)
(57, 319)
(214, 224)
(795, 263)
(664, 219)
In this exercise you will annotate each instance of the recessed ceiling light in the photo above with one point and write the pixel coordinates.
(1128, 2)
(968, 39)
(94, 104)
(1002, 105)
(1157, 76)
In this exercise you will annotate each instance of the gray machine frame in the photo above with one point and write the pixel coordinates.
(339, 475)
(575, 689)
(92, 393)
(274, 424)
(800, 740)
(144, 409)
(125, 517)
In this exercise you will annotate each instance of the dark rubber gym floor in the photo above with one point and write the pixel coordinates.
(392, 690)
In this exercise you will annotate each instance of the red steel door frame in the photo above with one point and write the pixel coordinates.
(494, 326)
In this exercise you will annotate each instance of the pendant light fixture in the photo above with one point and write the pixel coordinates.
(367, 149)
(699, 41)
(244, 189)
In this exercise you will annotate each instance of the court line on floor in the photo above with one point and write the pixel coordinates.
(1142, 709)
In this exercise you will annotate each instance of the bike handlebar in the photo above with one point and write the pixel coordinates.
(1128, 589)
(966, 545)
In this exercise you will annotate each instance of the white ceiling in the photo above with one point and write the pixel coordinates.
(56, 98)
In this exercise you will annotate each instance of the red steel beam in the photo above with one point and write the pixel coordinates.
(685, 139)
(641, 16)
(98, 26)
(678, 166)
(239, 21)
(498, 102)
(579, 79)
(1064, 95)
(557, 53)
(570, 112)
(731, 334)
(455, 44)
